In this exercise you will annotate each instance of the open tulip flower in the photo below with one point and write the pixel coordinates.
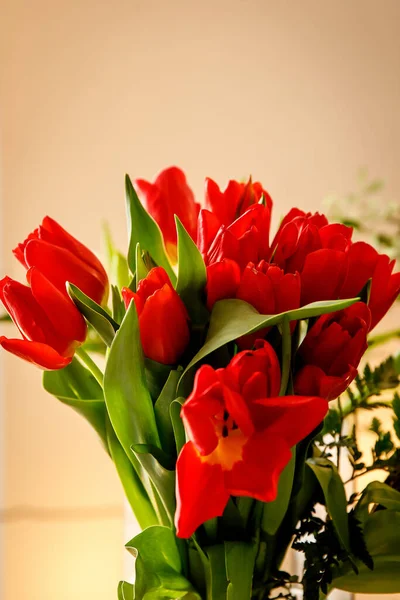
(227, 371)
(61, 258)
(230, 204)
(240, 435)
(50, 324)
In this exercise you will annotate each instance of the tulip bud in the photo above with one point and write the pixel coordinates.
(163, 319)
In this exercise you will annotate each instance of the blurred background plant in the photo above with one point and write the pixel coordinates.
(373, 219)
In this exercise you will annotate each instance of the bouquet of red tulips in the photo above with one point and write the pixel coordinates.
(223, 348)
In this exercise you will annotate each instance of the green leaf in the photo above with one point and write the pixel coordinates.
(381, 534)
(239, 562)
(118, 307)
(216, 572)
(127, 396)
(274, 512)
(5, 317)
(145, 231)
(162, 412)
(162, 478)
(94, 314)
(76, 387)
(231, 319)
(126, 591)
(377, 493)
(192, 276)
(158, 566)
(156, 376)
(334, 494)
(133, 487)
(141, 269)
(177, 423)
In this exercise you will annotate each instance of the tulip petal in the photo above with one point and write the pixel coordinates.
(164, 329)
(60, 310)
(313, 380)
(200, 491)
(222, 281)
(257, 474)
(59, 265)
(37, 353)
(51, 231)
(322, 275)
(291, 417)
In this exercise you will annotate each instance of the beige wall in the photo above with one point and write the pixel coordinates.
(298, 93)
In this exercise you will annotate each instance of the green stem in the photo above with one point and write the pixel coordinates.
(382, 338)
(286, 355)
(90, 364)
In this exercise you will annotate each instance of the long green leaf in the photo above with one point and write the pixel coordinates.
(274, 512)
(158, 566)
(127, 397)
(162, 478)
(239, 562)
(192, 276)
(334, 494)
(145, 231)
(162, 413)
(76, 387)
(100, 320)
(133, 486)
(177, 423)
(231, 319)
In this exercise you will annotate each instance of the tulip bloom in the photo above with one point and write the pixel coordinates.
(331, 351)
(245, 240)
(364, 263)
(61, 258)
(230, 204)
(163, 319)
(50, 324)
(168, 196)
(240, 434)
(308, 244)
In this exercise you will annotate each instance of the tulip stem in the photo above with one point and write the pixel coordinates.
(286, 355)
(90, 364)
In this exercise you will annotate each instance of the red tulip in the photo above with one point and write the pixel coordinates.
(50, 324)
(61, 258)
(331, 265)
(364, 263)
(245, 240)
(331, 352)
(308, 244)
(169, 195)
(228, 205)
(264, 286)
(163, 319)
(240, 434)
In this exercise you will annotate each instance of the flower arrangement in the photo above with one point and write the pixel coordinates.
(224, 354)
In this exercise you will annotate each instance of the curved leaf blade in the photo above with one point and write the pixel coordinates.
(192, 276)
(100, 320)
(158, 566)
(125, 387)
(231, 319)
(335, 496)
(145, 231)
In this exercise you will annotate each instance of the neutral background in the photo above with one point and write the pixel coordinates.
(299, 94)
